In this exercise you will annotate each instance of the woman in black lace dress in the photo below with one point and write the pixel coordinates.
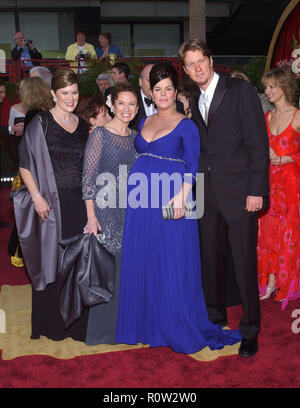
(53, 145)
(109, 156)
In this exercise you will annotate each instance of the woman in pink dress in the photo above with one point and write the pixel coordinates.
(279, 227)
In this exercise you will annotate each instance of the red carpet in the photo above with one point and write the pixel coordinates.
(277, 364)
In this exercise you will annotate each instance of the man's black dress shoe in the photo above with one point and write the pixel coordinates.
(248, 347)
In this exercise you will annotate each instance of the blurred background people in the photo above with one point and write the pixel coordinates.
(94, 111)
(16, 129)
(265, 103)
(119, 74)
(42, 72)
(3, 129)
(25, 50)
(104, 81)
(106, 47)
(16, 126)
(79, 52)
(35, 97)
(185, 94)
(278, 246)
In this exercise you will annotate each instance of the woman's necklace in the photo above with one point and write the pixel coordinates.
(66, 121)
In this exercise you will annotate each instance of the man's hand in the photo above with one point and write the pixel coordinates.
(254, 203)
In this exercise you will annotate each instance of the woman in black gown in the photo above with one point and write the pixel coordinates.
(66, 136)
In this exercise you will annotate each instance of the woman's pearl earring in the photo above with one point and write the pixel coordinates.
(54, 99)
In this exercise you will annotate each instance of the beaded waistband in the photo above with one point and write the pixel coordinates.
(161, 157)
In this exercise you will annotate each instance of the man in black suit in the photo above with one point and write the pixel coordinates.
(145, 102)
(234, 158)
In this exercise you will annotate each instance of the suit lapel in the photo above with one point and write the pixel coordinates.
(219, 93)
(141, 107)
(196, 114)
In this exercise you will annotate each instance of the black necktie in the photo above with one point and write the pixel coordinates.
(148, 101)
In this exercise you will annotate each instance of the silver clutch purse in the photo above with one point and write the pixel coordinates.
(168, 211)
(100, 236)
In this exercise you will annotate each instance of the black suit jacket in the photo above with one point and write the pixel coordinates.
(234, 145)
(34, 54)
(134, 124)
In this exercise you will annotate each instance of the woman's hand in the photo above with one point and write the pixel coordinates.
(279, 160)
(178, 203)
(274, 158)
(41, 207)
(285, 160)
(272, 154)
(92, 226)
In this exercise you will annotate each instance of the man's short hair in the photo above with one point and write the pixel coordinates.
(193, 45)
(2, 82)
(104, 76)
(42, 72)
(122, 68)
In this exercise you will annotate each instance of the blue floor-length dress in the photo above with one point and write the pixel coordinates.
(161, 298)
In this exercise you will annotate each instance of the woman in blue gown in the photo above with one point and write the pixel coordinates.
(161, 298)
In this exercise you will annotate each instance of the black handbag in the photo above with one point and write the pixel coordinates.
(86, 277)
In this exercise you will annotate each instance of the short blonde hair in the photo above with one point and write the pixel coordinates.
(35, 94)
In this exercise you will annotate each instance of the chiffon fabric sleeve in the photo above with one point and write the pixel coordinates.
(191, 147)
(92, 156)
